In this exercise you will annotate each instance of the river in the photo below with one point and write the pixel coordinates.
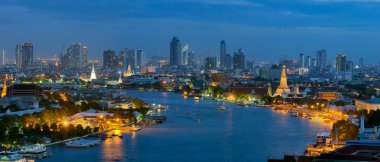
(197, 131)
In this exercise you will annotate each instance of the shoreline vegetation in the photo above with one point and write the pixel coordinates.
(54, 124)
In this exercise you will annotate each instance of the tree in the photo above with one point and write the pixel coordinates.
(137, 103)
(54, 127)
(345, 129)
(373, 118)
(44, 103)
(79, 130)
(45, 129)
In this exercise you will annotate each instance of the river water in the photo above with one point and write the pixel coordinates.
(197, 131)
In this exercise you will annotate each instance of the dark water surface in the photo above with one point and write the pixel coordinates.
(197, 131)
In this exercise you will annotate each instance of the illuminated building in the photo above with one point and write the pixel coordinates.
(4, 92)
(75, 56)
(283, 87)
(93, 74)
(110, 60)
(24, 56)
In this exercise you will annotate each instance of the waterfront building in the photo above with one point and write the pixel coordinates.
(328, 96)
(283, 87)
(370, 104)
(218, 79)
(24, 56)
(175, 52)
(223, 54)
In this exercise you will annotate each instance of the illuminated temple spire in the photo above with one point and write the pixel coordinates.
(93, 74)
(120, 80)
(283, 88)
(4, 92)
(128, 73)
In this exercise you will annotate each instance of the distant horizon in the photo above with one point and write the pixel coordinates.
(266, 31)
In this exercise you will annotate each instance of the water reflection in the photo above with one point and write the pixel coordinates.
(113, 149)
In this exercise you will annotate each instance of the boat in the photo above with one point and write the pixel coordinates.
(82, 143)
(11, 156)
(196, 98)
(294, 113)
(33, 151)
(221, 108)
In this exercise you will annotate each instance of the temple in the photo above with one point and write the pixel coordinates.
(93, 74)
(283, 88)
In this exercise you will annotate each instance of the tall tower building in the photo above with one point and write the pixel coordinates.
(24, 56)
(341, 62)
(239, 60)
(75, 56)
(110, 60)
(302, 60)
(321, 58)
(223, 54)
(131, 57)
(307, 61)
(361, 62)
(185, 55)
(175, 52)
(140, 58)
(210, 64)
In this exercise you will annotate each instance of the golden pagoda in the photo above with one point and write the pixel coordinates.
(283, 88)
(4, 92)
(128, 73)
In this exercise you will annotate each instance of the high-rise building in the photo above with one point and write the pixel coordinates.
(228, 61)
(185, 55)
(239, 60)
(321, 58)
(75, 56)
(223, 54)
(121, 60)
(313, 62)
(210, 64)
(110, 60)
(131, 57)
(341, 62)
(361, 62)
(302, 60)
(191, 58)
(140, 58)
(308, 61)
(175, 52)
(24, 56)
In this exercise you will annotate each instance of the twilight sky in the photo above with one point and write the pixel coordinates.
(266, 29)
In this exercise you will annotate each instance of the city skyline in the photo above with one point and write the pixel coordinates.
(290, 28)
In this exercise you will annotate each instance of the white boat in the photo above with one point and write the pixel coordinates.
(221, 108)
(34, 149)
(82, 143)
(196, 98)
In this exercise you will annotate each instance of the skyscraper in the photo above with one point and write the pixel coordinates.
(210, 64)
(140, 58)
(24, 56)
(110, 60)
(175, 52)
(75, 56)
(239, 60)
(341, 62)
(307, 61)
(185, 55)
(321, 58)
(131, 58)
(191, 58)
(302, 60)
(361, 62)
(223, 54)
(3, 58)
